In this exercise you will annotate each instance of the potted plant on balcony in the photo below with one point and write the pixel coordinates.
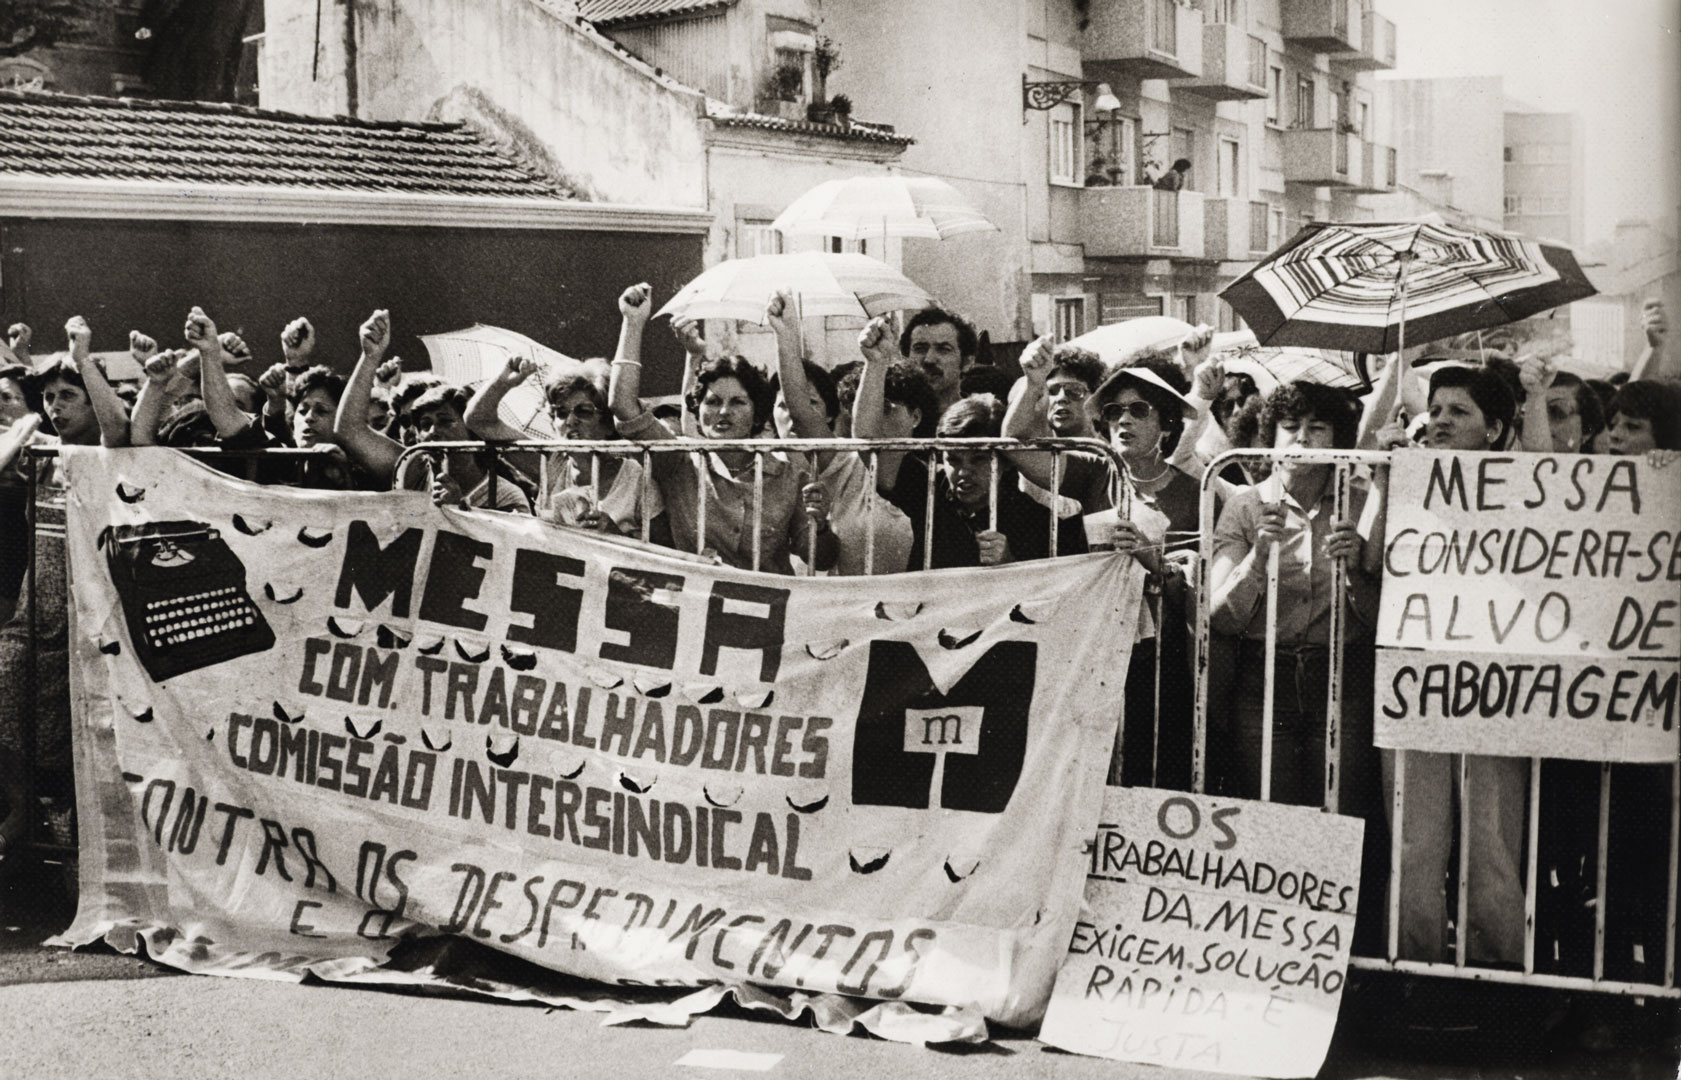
(841, 106)
(781, 91)
(825, 59)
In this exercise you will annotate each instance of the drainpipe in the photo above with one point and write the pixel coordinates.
(350, 88)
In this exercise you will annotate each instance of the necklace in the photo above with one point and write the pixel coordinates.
(1166, 468)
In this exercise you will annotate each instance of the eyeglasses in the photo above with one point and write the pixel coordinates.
(584, 411)
(1138, 410)
(1069, 390)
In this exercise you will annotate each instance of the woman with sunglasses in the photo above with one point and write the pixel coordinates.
(596, 491)
(1140, 409)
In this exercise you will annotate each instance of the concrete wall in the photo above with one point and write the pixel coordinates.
(948, 73)
(1455, 125)
(548, 88)
(255, 278)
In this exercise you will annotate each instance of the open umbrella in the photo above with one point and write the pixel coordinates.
(867, 206)
(1364, 287)
(469, 357)
(826, 284)
(1295, 365)
(1120, 341)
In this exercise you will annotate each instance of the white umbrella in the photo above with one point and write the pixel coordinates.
(881, 206)
(825, 283)
(1116, 343)
(471, 356)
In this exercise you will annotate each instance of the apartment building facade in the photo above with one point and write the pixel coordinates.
(1056, 116)
(1544, 172)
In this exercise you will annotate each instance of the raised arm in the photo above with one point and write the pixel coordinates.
(809, 423)
(481, 418)
(156, 392)
(869, 405)
(1025, 417)
(624, 393)
(1536, 374)
(376, 453)
(18, 336)
(1656, 326)
(219, 404)
(688, 334)
(108, 408)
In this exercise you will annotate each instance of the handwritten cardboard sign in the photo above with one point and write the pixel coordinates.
(1531, 606)
(1214, 935)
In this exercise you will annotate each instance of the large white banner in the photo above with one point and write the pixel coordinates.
(312, 724)
(1215, 935)
(1531, 606)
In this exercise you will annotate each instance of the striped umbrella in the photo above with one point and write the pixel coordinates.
(1364, 287)
(863, 207)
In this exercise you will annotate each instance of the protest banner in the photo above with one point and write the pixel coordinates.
(1215, 935)
(1531, 606)
(316, 724)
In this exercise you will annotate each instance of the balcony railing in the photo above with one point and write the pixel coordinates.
(1229, 68)
(1259, 239)
(1229, 229)
(1377, 171)
(1326, 157)
(1324, 26)
(1151, 39)
(1141, 222)
(1377, 45)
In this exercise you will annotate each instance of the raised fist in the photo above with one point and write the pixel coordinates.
(297, 342)
(635, 302)
(159, 367)
(1036, 358)
(141, 346)
(376, 333)
(234, 346)
(200, 332)
(390, 373)
(273, 382)
(875, 341)
(80, 335)
(18, 335)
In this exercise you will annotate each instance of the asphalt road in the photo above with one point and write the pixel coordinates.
(95, 1012)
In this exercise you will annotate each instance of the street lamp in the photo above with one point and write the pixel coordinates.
(1048, 95)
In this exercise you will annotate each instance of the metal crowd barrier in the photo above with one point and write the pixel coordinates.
(1346, 463)
(644, 452)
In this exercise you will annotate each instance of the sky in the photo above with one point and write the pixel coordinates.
(1616, 63)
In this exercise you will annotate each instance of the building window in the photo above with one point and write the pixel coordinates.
(756, 238)
(1257, 62)
(1164, 26)
(843, 246)
(1275, 230)
(1185, 148)
(788, 77)
(1070, 317)
(1275, 95)
(1304, 102)
(1114, 307)
(1227, 11)
(1230, 179)
(1185, 307)
(1111, 152)
(1365, 121)
(1510, 156)
(1065, 145)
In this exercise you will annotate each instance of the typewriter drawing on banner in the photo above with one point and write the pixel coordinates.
(183, 595)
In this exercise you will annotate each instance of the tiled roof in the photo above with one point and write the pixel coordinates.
(857, 132)
(608, 12)
(207, 143)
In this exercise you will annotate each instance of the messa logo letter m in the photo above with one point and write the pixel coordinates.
(968, 743)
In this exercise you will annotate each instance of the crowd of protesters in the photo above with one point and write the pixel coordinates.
(1166, 413)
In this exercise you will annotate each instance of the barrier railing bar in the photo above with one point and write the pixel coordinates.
(928, 519)
(644, 489)
(1462, 909)
(756, 521)
(1674, 872)
(992, 494)
(1397, 826)
(1337, 629)
(1056, 497)
(1599, 895)
(1532, 867)
(872, 474)
(703, 472)
(1269, 686)
(1510, 976)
